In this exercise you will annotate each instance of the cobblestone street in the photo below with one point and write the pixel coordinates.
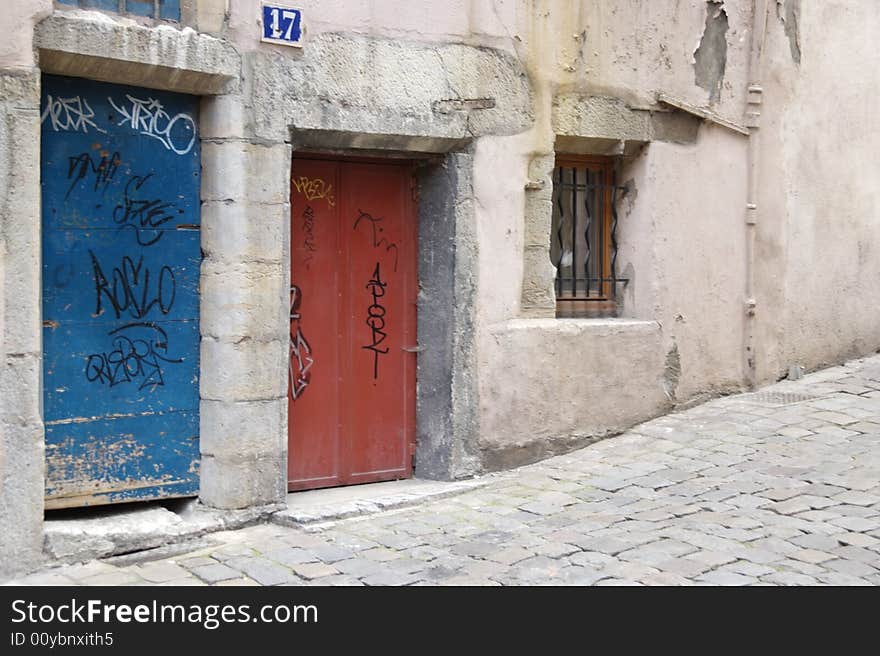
(777, 487)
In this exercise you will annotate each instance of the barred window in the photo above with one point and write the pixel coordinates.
(165, 9)
(583, 241)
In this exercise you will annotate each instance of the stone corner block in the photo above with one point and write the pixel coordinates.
(251, 428)
(247, 370)
(244, 301)
(601, 117)
(22, 463)
(20, 394)
(21, 87)
(231, 483)
(236, 232)
(223, 117)
(539, 273)
(238, 170)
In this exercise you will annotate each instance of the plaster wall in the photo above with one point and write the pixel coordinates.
(694, 206)
(474, 22)
(631, 49)
(818, 270)
(18, 21)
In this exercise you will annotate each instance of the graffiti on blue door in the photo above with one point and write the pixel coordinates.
(121, 255)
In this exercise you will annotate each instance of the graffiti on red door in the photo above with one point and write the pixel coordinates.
(376, 318)
(300, 352)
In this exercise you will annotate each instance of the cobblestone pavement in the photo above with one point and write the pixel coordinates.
(779, 487)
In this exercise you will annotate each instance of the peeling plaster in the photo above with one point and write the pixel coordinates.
(789, 12)
(710, 57)
(671, 372)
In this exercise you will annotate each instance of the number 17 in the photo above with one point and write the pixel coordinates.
(285, 15)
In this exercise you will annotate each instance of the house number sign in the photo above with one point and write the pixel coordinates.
(282, 25)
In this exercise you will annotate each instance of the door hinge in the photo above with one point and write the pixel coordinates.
(414, 188)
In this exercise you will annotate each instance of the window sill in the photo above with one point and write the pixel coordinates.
(587, 326)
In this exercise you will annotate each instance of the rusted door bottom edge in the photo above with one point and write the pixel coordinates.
(103, 497)
(364, 478)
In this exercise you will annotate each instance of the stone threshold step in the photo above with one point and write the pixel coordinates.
(312, 507)
(88, 533)
(144, 531)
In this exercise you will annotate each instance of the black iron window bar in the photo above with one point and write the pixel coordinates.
(590, 224)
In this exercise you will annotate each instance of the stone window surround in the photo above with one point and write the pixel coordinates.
(583, 124)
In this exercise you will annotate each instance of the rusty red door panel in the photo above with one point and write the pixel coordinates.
(314, 385)
(352, 323)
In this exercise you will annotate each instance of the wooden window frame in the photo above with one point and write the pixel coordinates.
(601, 300)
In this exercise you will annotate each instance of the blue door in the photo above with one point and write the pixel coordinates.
(121, 254)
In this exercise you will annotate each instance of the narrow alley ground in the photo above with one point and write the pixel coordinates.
(777, 487)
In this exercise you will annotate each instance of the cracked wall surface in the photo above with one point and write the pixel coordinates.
(789, 12)
(710, 57)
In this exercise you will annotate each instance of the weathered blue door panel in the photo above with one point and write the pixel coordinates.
(113, 460)
(130, 368)
(107, 286)
(121, 255)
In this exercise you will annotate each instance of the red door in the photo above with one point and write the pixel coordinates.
(352, 323)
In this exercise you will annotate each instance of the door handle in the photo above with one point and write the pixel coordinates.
(413, 349)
